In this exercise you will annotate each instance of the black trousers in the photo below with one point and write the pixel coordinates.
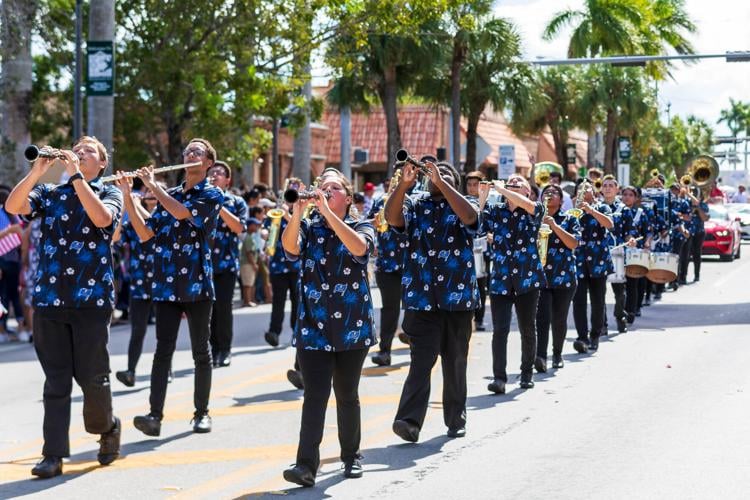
(631, 295)
(619, 290)
(644, 290)
(140, 310)
(9, 289)
(72, 343)
(685, 253)
(433, 333)
(553, 307)
(502, 309)
(479, 311)
(319, 370)
(168, 318)
(594, 289)
(222, 324)
(280, 285)
(696, 250)
(390, 292)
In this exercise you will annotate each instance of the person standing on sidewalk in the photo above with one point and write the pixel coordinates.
(74, 295)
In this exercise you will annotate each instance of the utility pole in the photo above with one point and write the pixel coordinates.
(77, 104)
(100, 71)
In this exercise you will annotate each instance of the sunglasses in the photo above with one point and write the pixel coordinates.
(194, 152)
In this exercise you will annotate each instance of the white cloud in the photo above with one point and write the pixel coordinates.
(702, 89)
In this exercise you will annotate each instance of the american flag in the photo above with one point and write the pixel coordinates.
(10, 241)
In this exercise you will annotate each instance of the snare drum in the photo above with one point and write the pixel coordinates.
(618, 261)
(637, 262)
(663, 267)
(480, 246)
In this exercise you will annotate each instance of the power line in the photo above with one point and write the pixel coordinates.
(641, 60)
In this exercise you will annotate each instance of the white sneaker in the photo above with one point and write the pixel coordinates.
(23, 336)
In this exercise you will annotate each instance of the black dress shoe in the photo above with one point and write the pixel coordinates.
(638, 313)
(540, 364)
(295, 378)
(127, 377)
(201, 423)
(497, 386)
(353, 469)
(404, 338)
(225, 359)
(406, 430)
(382, 358)
(299, 474)
(581, 346)
(272, 338)
(630, 318)
(594, 344)
(48, 467)
(147, 424)
(682, 282)
(622, 326)
(646, 302)
(557, 362)
(109, 444)
(696, 279)
(457, 432)
(526, 381)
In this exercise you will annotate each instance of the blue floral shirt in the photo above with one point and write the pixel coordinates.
(226, 252)
(183, 271)
(678, 206)
(561, 260)
(698, 224)
(439, 269)
(592, 255)
(642, 225)
(75, 257)
(516, 268)
(140, 262)
(622, 217)
(392, 245)
(279, 263)
(335, 311)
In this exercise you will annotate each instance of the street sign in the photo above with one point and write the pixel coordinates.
(100, 73)
(570, 153)
(624, 148)
(507, 161)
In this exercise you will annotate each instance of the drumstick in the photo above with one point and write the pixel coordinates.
(625, 244)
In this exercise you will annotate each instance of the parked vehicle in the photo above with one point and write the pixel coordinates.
(723, 237)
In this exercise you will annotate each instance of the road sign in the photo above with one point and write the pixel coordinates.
(624, 148)
(570, 153)
(100, 75)
(507, 161)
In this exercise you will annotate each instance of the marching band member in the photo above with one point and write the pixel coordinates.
(334, 329)
(182, 227)
(690, 225)
(699, 217)
(593, 263)
(439, 293)
(226, 263)
(679, 218)
(622, 232)
(141, 268)
(472, 192)
(517, 276)
(555, 298)
(641, 228)
(74, 295)
(389, 264)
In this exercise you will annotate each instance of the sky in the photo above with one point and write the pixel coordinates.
(701, 89)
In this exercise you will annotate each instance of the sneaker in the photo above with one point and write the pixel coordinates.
(272, 338)
(225, 359)
(456, 432)
(201, 423)
(127, 377)
(299, 474)
(148, 424)
(382, 358)
(295, 378)
(109, 444)
(353, 469)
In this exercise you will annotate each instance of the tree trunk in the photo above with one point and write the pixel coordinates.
(101, 108)
(389, 97)
(471, 141)
(610, 143)
(456, 63)
(301, 166)
(560, 139)
(17, 17)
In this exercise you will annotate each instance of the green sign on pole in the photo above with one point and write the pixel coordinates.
(100, 74)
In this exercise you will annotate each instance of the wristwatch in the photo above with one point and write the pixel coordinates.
(75, 177)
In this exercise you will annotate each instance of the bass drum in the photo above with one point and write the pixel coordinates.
(618, 261)
(637, 262)
(663, 268)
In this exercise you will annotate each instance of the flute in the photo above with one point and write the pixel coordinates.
(158, 170)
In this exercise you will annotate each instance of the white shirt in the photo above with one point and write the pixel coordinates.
(567, 203)
(739, 197)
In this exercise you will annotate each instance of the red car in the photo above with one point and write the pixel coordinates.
(723, 235)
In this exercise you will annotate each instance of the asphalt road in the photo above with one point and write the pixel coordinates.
(659, 412)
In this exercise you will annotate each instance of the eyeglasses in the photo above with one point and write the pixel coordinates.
(194, 152)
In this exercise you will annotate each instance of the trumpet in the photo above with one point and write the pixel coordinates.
(158, 170)
(32, 152)
(402, 157)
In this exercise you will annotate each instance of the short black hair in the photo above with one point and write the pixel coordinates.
(358, 198)
(454, 173)
(223, 166)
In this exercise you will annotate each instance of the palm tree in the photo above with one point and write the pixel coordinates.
(735, 119)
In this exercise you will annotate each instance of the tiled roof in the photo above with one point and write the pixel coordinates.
(423, 130)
